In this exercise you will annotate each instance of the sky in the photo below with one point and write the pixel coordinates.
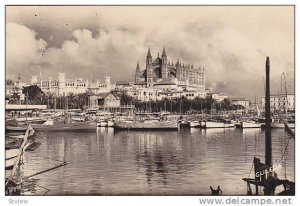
(230, 42)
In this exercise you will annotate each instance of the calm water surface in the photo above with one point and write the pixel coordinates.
(186, 162)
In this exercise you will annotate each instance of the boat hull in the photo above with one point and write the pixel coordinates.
(146, 126)
(208, 125)
(9, 163)
(281, 125)
(250, 125)
(78, 127)
(195, 124)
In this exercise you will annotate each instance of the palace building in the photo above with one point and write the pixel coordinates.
(161, 73)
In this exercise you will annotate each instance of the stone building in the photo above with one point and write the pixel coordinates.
(63, 86)
(161, 72)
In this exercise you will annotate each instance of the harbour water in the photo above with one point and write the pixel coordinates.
(184, 162)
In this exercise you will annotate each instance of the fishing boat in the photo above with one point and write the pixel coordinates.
(102, 123)
(15, 129)
(9, 163)
(31, 120)
(203, 123)
(105, 123)
(219, 123)
(250, 124)
(61, 126)
(141, 125)
(183, 123)
(11, 153)
(279, 123)
(194, 124)
(110, 123)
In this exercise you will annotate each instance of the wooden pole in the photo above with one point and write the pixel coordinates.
(268, 139)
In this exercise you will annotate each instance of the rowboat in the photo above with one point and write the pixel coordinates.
(9, 163)
(11, 153)
(12, 129)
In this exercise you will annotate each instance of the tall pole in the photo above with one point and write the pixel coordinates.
(268, 139)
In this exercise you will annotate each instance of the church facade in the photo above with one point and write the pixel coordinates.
(161, 72)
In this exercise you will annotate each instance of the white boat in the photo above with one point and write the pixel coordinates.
(103, 124)
(9, 163)
(219, 123)
(110, 123)
(279, 123)
(49, 122)
(11, 153)
(211, 124)
(162, 125)
(194, 124)
(202, 124)
(250, 124)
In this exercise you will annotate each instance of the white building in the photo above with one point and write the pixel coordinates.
(218, 96)
(63, 86)
(283, 102)
(241, 101)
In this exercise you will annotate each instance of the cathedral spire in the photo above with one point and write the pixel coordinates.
(138, 66)
(149, 53)
(164, 54)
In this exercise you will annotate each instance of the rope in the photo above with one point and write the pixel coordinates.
(285, 149)
(251, 169)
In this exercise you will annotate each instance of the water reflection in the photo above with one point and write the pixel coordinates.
(138, 162)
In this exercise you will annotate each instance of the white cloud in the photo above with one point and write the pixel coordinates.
(230, 42)
(23, 50)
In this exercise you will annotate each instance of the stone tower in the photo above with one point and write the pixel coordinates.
(164, 70)
(149, 69)
(137, 72)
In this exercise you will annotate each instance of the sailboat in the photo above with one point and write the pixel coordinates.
(264, 175)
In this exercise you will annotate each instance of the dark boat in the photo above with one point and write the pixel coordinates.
(87, 126)
(147, 125)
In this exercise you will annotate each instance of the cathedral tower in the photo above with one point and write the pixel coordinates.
(137, 72)
(164, 70)
(149, 69)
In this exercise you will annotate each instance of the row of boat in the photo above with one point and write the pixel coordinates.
(227, 123)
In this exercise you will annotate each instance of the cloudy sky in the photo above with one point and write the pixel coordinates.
(231, 42)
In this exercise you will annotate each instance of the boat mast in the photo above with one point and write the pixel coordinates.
(268, 139)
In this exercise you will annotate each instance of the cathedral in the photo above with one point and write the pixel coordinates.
(161, 71)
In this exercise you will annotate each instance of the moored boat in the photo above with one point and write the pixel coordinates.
(11, 153)
(279, 124)
(110, 123)
(194, 124)
(250, 124)
(161, 125)
(76, 126)
(219, 123)
(9, 163)
(16, 129)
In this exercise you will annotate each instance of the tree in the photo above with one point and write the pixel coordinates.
(33, 94)
(10, 82)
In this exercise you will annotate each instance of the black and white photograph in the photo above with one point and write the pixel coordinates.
(149, 100)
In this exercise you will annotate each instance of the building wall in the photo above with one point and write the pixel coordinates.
(63, 86)
(280, 102)
(162, 69)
